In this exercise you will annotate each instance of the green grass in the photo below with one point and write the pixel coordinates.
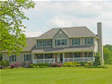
(63, 75)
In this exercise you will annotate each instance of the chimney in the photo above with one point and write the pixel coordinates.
(100, 41)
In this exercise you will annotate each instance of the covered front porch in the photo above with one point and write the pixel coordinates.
(63, 57)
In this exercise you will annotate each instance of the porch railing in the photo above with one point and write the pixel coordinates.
(43, 60)
(81, 59)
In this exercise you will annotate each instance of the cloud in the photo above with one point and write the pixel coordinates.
(32, 34)
(51, 14)
(60, 21)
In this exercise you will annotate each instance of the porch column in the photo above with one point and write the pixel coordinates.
(63, 57)
(54, 58)
(43, 58)
(83, 56)
(93, 57)
(32, 57)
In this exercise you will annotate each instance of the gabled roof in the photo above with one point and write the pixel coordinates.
(72, 32)
(31, 43)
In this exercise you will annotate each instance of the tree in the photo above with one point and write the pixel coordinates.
(97, 59)
(12, 38)
(107, 55)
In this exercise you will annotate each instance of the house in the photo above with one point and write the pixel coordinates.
(60, 45)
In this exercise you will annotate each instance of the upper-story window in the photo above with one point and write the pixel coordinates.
(60, 42)
(27, 57)
(89, 41)
(12, 58)
(76, 42)
(44, 43)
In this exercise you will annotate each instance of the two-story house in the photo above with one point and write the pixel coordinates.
(60, 45)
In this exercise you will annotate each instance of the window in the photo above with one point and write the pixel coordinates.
(69, 55)
(88, 54)
(47, 56)
(39, 56)
(60, 42)
(63, 42)
(75, 42)
(27, 57)
(89, 41)
(39, 43)
(44, 43)
(12, 58)
(49, 43)
(77, 55)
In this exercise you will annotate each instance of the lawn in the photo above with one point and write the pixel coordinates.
(63, 75)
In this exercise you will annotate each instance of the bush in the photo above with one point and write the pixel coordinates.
(75, 63)
(83, 63)
(26, 64)
(4, 63)
(43, 65)
(78, 65)
(56, 65)
(68, 64)
(97, 61)
(89, 64)
(34, 66)
(14, 65)
(99, 66)
(40, 65)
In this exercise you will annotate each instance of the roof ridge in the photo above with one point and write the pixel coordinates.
(70, 27)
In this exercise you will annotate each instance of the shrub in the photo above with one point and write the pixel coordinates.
(78, 65)
(4, 63)
(26, 64)
(56, 65)
(40, 65)
(99, 66)
(34, 66)
(89, 64)
(83, 63)
(75, 63)
(68, 64)
(97, 61)
(43, 65)
(15, 65)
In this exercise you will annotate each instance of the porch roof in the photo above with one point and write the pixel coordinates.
(60, 50)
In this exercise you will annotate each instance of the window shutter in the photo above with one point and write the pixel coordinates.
(15, 58)
(24, 57)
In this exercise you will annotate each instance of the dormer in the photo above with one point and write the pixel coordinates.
(60, 39)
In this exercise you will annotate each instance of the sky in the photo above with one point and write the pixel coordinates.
(49, 14)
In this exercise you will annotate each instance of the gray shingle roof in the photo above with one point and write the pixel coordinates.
(31, 43)
(59, 50)
(72, 32)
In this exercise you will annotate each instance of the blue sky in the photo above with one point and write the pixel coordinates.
(52, 14)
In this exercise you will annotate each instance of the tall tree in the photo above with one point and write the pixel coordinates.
(108, 54)
(12, 38)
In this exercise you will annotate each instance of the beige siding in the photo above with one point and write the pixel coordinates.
(82, 41)
(96, 45)
(60, 35)
(70, 42)
(19, 59)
